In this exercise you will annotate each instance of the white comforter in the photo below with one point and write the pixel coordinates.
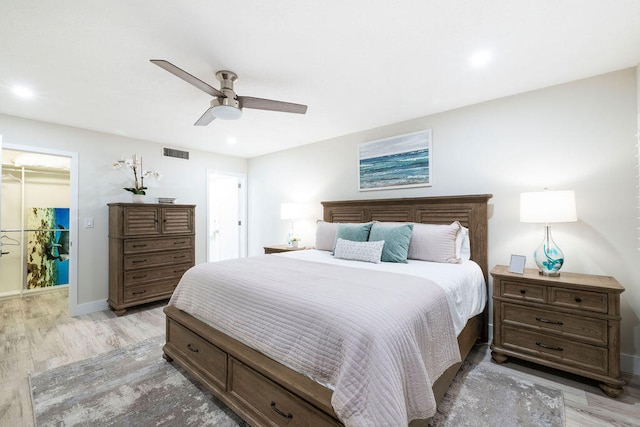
(378, 339)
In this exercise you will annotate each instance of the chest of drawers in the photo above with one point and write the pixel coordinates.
(570, 322)
(150, 248)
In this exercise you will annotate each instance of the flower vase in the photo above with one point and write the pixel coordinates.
(137, 198)
(294, 244)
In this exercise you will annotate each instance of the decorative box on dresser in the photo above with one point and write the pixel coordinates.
(570, 322)
(150, 248)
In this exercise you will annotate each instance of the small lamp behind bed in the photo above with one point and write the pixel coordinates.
(291, 211)
(547, 207)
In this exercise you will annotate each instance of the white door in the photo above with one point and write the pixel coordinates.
(226, 216)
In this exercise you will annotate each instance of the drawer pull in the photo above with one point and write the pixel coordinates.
(539, 344)
(578, 299)
(140, 246)
(553, 322)
(139, 277)
(138, 261)
(523, 291)
(139, 292)
(279, 412)
(179, 243)
(179, 256)
(195, 350)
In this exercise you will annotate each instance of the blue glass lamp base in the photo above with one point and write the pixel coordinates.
(549, 258)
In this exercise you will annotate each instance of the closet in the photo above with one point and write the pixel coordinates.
(34, 222)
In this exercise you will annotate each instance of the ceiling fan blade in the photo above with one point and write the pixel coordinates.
(187, 77)
(206, 118)
(268, 104)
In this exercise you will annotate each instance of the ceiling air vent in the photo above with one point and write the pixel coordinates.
(178, 154)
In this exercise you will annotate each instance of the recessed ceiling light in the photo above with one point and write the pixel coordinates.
(480, 58)
(232, 141)
(23, 92)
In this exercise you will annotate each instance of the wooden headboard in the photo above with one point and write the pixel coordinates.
(470, 210)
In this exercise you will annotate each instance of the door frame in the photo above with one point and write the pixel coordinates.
(242, 209)
(73, 211)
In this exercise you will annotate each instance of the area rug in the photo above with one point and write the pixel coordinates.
(135, 386)
(131, 386)
(482, 396)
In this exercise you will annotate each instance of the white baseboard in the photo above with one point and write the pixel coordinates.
(89, 307)
(629, 363)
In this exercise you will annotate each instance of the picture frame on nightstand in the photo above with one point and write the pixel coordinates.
(517, 264)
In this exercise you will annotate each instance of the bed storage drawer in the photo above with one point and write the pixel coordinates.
(206, 358)
(275, 404)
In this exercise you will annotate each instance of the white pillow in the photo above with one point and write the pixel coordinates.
(326, 235)
(359, 251)
(435, 242)
(463, 245)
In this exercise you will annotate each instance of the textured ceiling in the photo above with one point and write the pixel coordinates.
(357, 64)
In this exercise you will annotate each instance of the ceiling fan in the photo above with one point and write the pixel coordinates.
(226, 104)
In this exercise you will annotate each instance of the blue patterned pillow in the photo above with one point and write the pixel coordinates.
(358, 251)
(396, 241)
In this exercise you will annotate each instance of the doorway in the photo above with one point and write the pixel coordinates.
(226, 215)
(38, 221)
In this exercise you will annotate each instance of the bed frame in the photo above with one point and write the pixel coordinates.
(264, 392)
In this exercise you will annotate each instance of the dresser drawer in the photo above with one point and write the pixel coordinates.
(556, 349)
(523, 291)
(205, 357)
(157, 290)
(583, 300)
(272, 401)
(137, 277)
(157, 259)
(576, 327)
(132, 246)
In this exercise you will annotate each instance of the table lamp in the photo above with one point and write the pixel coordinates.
(547, 207)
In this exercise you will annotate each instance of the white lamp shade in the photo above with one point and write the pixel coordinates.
(548, 206)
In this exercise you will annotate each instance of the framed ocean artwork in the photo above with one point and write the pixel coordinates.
(397, 162)
(47, 247)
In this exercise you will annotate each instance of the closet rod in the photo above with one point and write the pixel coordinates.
(64, 172)
(17, 230)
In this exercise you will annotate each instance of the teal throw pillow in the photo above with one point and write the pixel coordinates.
(353, 232)
(396, 241)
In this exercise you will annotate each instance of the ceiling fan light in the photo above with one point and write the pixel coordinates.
(226, 112)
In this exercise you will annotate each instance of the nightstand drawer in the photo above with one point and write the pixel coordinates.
(523, 291)
(556, 349)
(583, 300)
(576, 327)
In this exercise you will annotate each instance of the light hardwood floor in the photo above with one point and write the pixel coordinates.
(36, 334)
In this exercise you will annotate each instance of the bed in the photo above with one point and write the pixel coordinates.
(264, 391)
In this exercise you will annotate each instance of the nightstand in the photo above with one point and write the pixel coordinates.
(274, 249)
(570, 322)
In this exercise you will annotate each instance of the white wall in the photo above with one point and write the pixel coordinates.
(577, 136)
(99, 184)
